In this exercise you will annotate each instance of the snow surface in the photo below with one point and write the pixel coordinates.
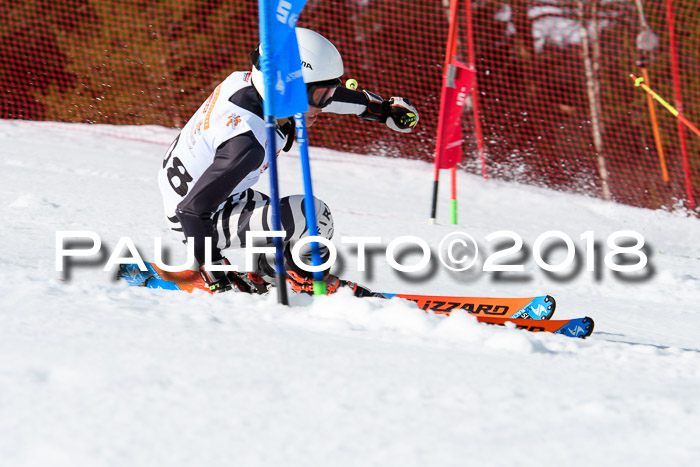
(95, 373)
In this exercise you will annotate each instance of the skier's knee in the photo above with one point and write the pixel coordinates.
(294, 218)
(324, 222)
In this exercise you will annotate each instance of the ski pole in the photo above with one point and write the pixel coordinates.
(639, 82)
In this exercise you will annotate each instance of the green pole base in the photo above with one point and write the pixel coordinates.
(453, 211)
(320, 288)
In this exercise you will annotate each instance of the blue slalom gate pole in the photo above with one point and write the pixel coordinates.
(280, 272)
(285, 95)
(309, 201)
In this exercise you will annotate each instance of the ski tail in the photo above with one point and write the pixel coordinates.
(155, 278)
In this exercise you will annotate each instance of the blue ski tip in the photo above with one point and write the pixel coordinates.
(578, 327)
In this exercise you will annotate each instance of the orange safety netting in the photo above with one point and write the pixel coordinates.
(556, 104)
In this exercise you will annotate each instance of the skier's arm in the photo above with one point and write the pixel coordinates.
(347, 102)
(233, 161)
(397, 113)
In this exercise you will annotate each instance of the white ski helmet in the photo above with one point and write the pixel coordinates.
(320, 60)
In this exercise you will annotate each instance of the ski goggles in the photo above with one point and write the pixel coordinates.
(320, 94)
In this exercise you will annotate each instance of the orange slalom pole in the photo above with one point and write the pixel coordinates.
(657, 132)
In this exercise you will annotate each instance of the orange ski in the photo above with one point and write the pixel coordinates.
(530, 313)
(539, 308)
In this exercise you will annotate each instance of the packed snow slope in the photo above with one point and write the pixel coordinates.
(95, 373)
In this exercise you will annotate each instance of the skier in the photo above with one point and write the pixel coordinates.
(207, 175)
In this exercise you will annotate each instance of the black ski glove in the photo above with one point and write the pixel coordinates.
(397, 113)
